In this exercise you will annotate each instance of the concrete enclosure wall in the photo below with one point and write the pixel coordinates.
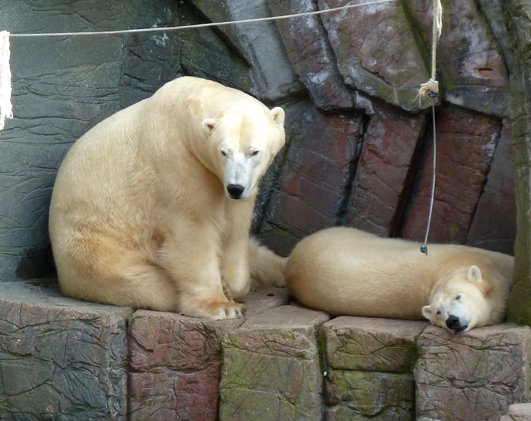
(359, 146)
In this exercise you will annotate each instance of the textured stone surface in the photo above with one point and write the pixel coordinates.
(376, 396)
(175, 361)
(466, 142)
(494, 223)
(311, 55)
(60, 358)
(376, 51)
(271, 371)
(470, 60)
(517, 15)
(381, 184)
(366, 344)
(315, 174)
(473, 376)
(365, 357)
(259, 43)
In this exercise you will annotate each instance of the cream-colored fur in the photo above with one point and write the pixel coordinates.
(152, 207)
(345, 271)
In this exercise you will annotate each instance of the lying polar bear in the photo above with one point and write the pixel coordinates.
(152, 207)
(345, 271)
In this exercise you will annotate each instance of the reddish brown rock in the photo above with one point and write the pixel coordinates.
(271, 367)
(376, 51)
(472, 376)
(471, 61)
(385, 162)
(315, 174)
(175, 364)
(175, 361)
(466, 142)
(60, 358)
(311, 55)
(494, 223)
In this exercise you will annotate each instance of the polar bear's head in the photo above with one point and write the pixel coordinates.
(465, 302)
(242, 147)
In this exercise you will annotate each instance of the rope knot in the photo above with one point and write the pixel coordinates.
(430, 88)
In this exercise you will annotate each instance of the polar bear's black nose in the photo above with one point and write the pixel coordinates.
(235, 190)
(453, 322)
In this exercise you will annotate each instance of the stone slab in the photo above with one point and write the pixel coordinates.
(271, 367)
(470, 61)
(315, 174)
(472, 376)
(494, 223)
(60, 358)
(259, 43)
(466, 142)
(310, 54)
(175, 360)
(355, 395)
(383, 172)
(371, 344)
(376, 51)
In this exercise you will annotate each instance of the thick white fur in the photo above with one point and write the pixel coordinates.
(345, 271)
(141, 214)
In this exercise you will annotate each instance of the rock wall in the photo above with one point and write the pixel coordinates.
(63, 359)
(517, 16)
(359, 146)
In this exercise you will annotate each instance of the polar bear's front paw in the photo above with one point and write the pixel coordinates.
(229, 310)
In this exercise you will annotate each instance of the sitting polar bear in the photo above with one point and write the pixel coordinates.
(345, 271)
(152, 207)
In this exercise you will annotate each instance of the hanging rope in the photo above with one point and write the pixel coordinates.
(6, 110)
(431, 89)
(424, 247)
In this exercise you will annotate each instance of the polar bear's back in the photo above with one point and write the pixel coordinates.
(346, 271)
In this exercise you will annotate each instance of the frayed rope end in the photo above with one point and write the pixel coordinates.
(6, 109)
(430, 89)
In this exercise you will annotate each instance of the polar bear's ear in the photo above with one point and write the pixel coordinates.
(208, 125)
(474, 274)
(278, 115)
(426, 312)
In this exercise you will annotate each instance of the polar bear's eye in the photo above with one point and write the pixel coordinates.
(223, 153)
(438, 313)
(255, 153)
(458, 297)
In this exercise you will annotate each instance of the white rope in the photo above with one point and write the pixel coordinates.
(431, 88)
(6, 109)
(424, 247)
(204, 25)
(5, 71)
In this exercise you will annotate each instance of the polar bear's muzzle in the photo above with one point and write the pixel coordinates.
(235, 191)
(238, 177)
(456, 324)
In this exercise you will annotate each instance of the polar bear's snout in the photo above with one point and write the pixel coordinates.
(238, 177)
(456, 324)
(235, 190)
